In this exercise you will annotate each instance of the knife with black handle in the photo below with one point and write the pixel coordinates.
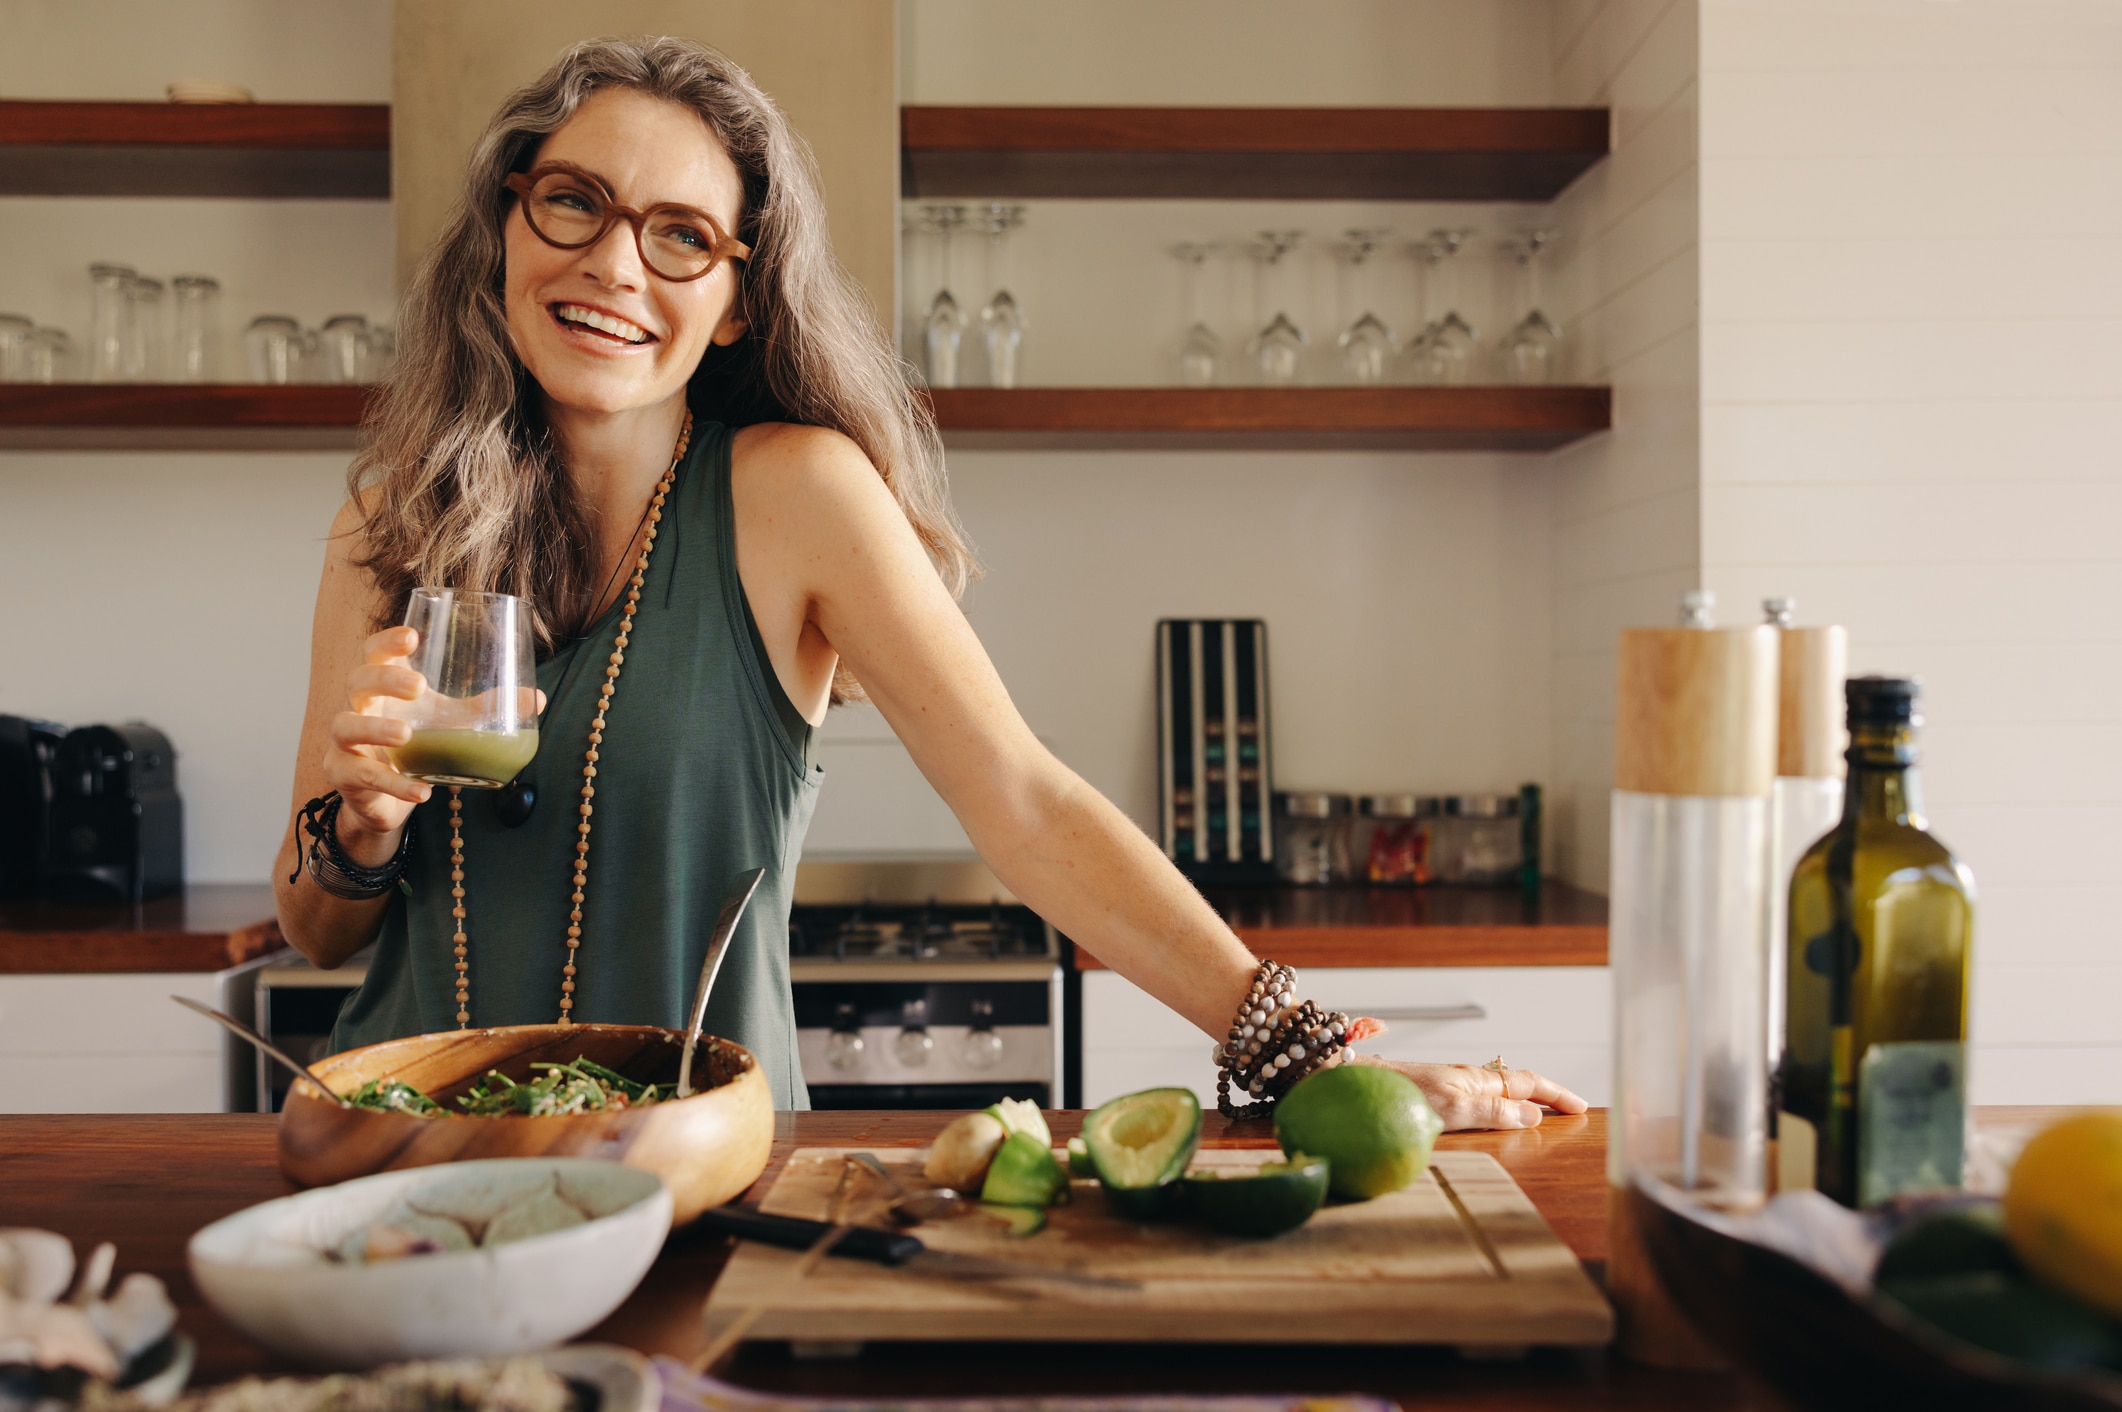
(893, 1248)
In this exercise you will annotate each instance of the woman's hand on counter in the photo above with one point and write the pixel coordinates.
(1467, 1097)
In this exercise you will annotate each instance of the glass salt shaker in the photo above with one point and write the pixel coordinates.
(1311, 838)
(15, 331)
(343, 348)
(194, 354)
(109, 320)
(274, 342)
(145, 342)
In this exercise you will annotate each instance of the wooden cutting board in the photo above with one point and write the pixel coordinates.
(1460, 1257)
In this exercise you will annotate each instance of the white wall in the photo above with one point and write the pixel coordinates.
(1626, 504)
(1912, 399)
(177, 588)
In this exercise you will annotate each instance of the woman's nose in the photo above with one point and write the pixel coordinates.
(615, 260)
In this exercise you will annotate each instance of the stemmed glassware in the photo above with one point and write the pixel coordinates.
(1446, 352)
(1199, 348)
(1531, 353)
(1001, 321)
(1279, 345)
(943, 326)
(1367, 344)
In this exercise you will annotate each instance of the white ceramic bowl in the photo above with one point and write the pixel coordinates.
(265, 1271)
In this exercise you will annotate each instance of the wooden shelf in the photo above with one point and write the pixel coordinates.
(178, 417)
(203, 928)
(1271, 418)
(314, 150)
(1369, 154)
(1559, 925)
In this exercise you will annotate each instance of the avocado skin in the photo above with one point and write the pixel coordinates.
(1963, 1240)
(2012, 1316)
(1278, 1198)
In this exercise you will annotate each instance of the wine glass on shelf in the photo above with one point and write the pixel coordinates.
(1367, 344)
(1001, 321)
(943, 326)
(475, 722)
(1446, 352)
(1278, 348)
(1531, 353)
(1199, 348)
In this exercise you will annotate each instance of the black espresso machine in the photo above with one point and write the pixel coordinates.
(116, 830)
(28, 749)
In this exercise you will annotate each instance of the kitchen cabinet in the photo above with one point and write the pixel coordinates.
(1556, 1019)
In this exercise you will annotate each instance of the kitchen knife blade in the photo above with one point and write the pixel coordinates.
(893, 1248)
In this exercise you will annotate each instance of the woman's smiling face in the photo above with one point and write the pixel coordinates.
(597, 328)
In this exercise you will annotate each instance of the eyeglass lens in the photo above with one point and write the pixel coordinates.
(571, 212)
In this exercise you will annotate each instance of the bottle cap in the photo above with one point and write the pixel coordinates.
(1883, 701)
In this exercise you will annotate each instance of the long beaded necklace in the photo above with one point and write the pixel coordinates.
(459, 941)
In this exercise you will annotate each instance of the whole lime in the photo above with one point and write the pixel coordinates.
(1372, 1125)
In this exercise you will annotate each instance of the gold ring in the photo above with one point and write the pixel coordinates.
(1497, 1066)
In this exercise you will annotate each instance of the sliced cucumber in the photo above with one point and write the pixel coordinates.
(1079, 1163)
(1024, 1173)
(1280, 1196)
(1018, 1221)
(1140, 1145)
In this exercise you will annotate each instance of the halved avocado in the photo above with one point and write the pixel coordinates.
(1140, 1145)
(1280, 1196)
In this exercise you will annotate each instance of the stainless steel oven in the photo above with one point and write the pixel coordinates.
(923, 985)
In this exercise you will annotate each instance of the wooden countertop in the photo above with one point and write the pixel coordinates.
(1559, 925)
(203, 928)
(148, 1182)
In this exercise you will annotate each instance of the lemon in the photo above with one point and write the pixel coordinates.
(2063, 1207)
(1372, 1125)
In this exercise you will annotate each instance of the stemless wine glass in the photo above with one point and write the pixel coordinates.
(344, 345)
(145, 342)
(195, 353)
(1199, 348)
(475, 723)
(1531, 353)
(109, 320)
(1367, 343)
(275, 344)
(1279, 345)
(48, 356)
(1001, 321)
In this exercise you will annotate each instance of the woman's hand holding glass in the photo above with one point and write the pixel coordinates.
(357, 762)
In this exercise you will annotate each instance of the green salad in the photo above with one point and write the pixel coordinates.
(581, 1086)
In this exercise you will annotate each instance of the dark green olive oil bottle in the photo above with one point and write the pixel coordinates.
(1873, 1080)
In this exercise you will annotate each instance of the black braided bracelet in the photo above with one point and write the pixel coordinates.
(334, 869)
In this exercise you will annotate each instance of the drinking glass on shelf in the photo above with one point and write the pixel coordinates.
(475, 722)
(109, 320)
(1531, 353)
(1367, 343)
(1001, 321)
(274, 342)
(343, 346)
(943, 326)
(1446, 352)
(144, 339)
(1199, 348)
(382, 353)
(15, 331)
(195, 350)
(48, 356)
(1278, 348)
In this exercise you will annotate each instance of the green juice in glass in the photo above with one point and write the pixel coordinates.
(474, 759)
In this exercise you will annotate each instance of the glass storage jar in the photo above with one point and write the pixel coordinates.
(1392, 839)
(1479, 840)
(1311, 838)
(196, 347)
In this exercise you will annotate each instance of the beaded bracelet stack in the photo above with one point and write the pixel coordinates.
(1275, 1041)
(333, 868)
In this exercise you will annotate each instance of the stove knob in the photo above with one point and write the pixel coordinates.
(844, 1048)
(913, 1046)
(983, 1049)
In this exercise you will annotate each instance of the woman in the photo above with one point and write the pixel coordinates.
(636, 389)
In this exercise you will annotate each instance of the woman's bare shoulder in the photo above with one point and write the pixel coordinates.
(772, 462)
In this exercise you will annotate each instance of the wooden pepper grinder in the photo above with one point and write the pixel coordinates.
(1694, 767)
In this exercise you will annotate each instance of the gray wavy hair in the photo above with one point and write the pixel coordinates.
(460, 477)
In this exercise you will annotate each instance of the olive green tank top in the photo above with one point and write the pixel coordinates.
(703, 776)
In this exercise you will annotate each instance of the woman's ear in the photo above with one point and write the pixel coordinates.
(733, 327)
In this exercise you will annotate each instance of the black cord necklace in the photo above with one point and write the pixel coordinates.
(514, 801)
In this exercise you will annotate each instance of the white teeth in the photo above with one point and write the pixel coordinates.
(603, 323)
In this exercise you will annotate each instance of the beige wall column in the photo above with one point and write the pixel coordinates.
(831, 64)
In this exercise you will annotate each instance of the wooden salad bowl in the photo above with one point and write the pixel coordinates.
(707, 1148)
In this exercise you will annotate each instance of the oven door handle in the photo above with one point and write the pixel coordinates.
(1416, 1013)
